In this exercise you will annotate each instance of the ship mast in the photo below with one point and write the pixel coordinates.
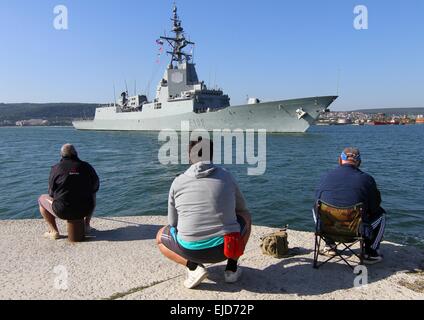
(178, 42)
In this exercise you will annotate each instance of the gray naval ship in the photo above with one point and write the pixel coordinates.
(182, 98)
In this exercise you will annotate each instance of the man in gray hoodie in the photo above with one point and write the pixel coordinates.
(205, 204)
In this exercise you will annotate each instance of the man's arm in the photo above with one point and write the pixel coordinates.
(95, 179)
(374, 198)
(172, 211)
(52, 177)
(241, 207)
(318, 190)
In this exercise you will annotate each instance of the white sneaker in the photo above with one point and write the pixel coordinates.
(232, 277)
(194, 278)
(52, 235)
(329, 251)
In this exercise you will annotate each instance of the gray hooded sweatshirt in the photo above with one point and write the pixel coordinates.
(203, 203)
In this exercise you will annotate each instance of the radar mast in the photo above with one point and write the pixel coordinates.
(178, 42)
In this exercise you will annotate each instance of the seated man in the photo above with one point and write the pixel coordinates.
(346, 186)
(72, 191)
(205, 204)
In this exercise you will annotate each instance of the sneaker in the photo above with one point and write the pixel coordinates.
(231, 276)
(53, 235)
(194, 278)
(329, 251)
(372, 258)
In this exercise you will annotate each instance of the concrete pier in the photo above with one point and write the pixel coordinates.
(121, 261)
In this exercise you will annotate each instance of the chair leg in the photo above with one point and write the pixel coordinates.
(362, 254)
(316, 251)
(340, 255)
(349, 248)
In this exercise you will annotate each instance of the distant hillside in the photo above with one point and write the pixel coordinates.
(396, 111)
(56, 113)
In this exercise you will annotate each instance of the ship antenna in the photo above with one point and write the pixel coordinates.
(114, 94)
(178, 42)
(126, 87)
(338, 81)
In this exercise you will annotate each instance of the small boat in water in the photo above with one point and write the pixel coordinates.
(343, 121)
(419, 119)
(383, 122)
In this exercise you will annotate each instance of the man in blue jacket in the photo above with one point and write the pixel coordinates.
(346, 186)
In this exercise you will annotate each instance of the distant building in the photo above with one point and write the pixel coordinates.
(6, 123)
(32, 122)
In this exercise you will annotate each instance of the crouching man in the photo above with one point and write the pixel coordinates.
(73, 185)
(208, 218)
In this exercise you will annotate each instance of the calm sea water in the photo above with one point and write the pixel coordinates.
(133, 182)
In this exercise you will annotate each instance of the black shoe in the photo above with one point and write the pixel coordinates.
(372, 257)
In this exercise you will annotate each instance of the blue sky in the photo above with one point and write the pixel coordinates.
(268, 49)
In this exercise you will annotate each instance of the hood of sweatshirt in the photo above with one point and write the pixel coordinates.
(200, 170)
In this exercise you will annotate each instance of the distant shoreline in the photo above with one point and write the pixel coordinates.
(314, 125)
(69, 126)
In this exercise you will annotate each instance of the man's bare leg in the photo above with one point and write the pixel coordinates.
(50, 219)
(88, 218)
(168, 253)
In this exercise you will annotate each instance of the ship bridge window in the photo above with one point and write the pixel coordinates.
(158, 106)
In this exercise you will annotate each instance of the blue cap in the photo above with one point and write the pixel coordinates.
(352, 154)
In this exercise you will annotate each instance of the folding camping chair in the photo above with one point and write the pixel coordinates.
(341, 226)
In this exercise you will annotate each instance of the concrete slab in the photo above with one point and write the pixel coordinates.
(121, 261)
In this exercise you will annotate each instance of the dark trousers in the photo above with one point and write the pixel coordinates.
(373, 232)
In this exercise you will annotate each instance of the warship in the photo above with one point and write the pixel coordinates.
(182, 98)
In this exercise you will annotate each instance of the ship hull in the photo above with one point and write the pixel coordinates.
(277, 116)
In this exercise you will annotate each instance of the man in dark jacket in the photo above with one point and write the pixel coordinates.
(346, 186)
(73, 185)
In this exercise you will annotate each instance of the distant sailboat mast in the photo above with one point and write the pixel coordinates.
(114, 94)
